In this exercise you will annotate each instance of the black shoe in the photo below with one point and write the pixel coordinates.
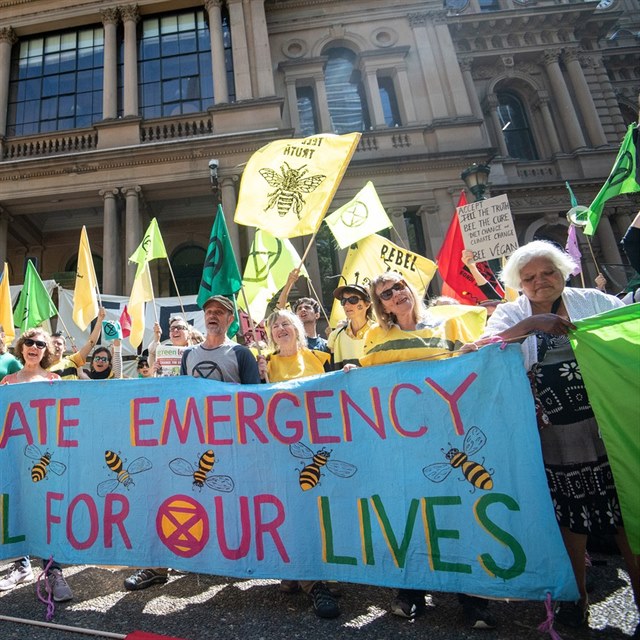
(408, 604)
(324, 604)
(144, 578)
(476, 613)
(572, 614)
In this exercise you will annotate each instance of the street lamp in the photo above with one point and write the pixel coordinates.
(476, 178)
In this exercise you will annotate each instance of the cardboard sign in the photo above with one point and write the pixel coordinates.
(487, 228)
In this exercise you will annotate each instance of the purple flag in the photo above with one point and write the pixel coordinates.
(573, 250)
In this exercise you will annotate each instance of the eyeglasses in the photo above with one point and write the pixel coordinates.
(38, 343)
(178, 327)
(387, 294)
(100, 359)
(350, 300)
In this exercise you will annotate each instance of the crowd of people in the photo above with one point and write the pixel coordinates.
(387, 322)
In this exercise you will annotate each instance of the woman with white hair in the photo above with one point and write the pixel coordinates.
(578, 472)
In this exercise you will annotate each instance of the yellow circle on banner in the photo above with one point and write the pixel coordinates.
(182, 525)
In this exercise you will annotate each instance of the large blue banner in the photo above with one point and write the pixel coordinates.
(425, 475)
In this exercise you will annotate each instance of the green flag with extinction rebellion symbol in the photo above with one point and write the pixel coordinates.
(607, 347)
(622, 179)
(35, 304)
(220, 274)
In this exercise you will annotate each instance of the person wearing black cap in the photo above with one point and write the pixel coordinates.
(347, 342)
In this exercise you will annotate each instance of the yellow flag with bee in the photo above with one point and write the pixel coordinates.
(288, 185)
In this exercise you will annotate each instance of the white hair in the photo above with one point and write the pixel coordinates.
(562, 261)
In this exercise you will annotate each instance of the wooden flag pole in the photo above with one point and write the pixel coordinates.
(175, 284)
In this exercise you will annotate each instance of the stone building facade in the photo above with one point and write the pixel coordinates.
(111, 114)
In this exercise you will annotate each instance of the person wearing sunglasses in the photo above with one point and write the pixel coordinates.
(406, 330)
(347, 341)
(35, 353)
(106, 365)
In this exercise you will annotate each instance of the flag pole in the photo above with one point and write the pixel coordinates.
(304, 255)
(175, 284)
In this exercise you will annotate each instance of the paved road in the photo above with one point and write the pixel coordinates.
(195, 607)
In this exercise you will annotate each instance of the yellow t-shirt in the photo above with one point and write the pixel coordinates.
(304, 363)
(434, 342)
(67, 368)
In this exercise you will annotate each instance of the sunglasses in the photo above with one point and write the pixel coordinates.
(38, 343)
(387, 294)
(100, 359)
(178, 327)
(350, 300)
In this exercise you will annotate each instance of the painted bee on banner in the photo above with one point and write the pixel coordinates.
(310, 474)
(182, 467)
(473, 472)
(289, 188)
(44, 463)
(123, 476)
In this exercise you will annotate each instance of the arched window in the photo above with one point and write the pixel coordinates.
(345, 94)
(515, 127)
(187, 264)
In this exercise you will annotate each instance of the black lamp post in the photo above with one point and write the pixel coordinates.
(476, 178)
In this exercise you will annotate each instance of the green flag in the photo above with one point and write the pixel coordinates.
(607, 347)
(622, 179)
(269, 264)
(220, 275)
(35, 304)
(151, 247)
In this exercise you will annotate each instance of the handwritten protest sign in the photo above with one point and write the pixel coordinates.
(422, 475)
(487, 228)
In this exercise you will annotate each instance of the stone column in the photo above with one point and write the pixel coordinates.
(491, 104)
(406, 106)
(110, 247)
(608, 243)
(110, 79)
(549, 127)
(435, 104)
(7, 39)
(292, 101)
(372, 90)
(451, 74)
(322, 104)
(130, 17)
(567, 112)
(227, 186)
(595, 62)
(397, 217)
(219, 69)
(241, 68)
(132, 229)
(5, 219)
(261, 49)
(472, 93)
(584, 99)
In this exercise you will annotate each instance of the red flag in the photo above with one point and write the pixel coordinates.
(125, 322)
(458, 282)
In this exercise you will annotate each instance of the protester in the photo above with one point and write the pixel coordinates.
(308, 310)
(143, 368)
(105, 363)
(217, 358)
(408, 331)
(574, 455)
(291, 359)
(180, 337)
(67, 366)
(35, 353)
(346, 342)
(8, 362)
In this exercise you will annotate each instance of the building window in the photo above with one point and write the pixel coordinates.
(389, 102)
(345, 93)
(174, 61)
(56, 82)
(187, 264)
(72, 266)
(515, 127)
(307, 111)
(489, 5)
